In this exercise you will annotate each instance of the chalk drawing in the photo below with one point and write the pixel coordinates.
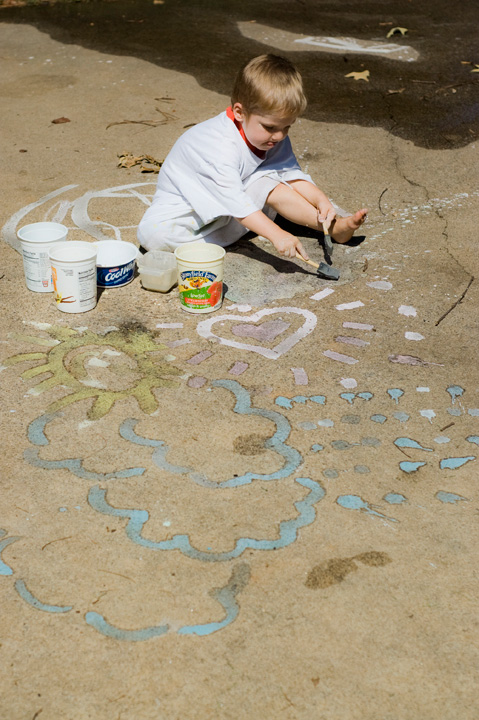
(288, 41)
(204, 330)
(133, 364)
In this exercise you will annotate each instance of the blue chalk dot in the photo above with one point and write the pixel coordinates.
(379, 418)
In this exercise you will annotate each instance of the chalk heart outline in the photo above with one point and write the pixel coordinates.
(310, 320)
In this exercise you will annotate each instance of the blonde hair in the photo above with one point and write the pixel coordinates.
(269, 85)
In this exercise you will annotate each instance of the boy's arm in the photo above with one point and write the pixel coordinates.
(284, 242)
(316, 197)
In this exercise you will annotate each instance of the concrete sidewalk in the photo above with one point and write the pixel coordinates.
(269, 511)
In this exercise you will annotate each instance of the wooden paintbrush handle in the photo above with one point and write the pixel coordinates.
(310, 262)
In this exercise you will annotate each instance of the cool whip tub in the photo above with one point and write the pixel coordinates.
(74, 275)
(200, 276)
(36, 240)
(115, 263)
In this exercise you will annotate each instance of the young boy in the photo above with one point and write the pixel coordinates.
(234, 172)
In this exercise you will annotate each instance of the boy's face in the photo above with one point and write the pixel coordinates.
(263, 131)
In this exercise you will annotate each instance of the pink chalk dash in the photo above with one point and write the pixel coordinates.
(300, 376)
(199, 357)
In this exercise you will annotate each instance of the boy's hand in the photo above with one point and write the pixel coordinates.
(326, 214)
(289, 245)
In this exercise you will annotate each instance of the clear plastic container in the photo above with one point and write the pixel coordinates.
(158, 270)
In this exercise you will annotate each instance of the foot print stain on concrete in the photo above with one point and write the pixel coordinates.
(335, 570)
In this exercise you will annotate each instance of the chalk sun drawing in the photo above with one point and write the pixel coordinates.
(108, 368)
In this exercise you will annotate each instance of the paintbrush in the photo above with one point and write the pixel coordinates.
(322, 270)
(327, 244)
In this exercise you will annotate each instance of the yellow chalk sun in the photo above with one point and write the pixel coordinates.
(120, 364)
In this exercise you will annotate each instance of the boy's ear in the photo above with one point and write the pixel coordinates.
(238, 112)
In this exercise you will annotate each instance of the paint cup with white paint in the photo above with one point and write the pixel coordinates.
(36, 240)
(74, 275)
(200, 276)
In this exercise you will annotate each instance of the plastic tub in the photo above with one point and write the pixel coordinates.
(73, 267)
(115, 263)
(36, 241)
(158, 270)
(200, 276)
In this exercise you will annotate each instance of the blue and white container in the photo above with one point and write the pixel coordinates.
(115, 263)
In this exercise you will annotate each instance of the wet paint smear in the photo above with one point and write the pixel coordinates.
(395, 394)
(429, 414)
(36, 435)
(288, 529)
(226, 597)
(330, 473)
(351, 419)
(447, 497)
(354, 502)
(98, 622)
(370, 442)
(4, 568)
(404, 442)
(455, 462)
(361, 469)
(350, 397)
(26, 595)
(301, 399)
(326, 423)
(276, 443)
(395, 498)
(343, 445)
(410, 467)
(455, 391)
(379, 419)
(307, 425)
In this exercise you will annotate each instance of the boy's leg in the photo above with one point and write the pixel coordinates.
(295, 207)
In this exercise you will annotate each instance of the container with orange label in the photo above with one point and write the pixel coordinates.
(200, 276)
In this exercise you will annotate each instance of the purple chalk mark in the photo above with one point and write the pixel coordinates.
(411, 360)
(300, 376)
(197, 381)
(238, 368)
(199, 357)
(177, 343)
(266, 332)
(357, 326)
(351, 341)
(340, 358)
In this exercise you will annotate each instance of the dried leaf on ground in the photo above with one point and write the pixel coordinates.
(397, 31)
(364, 75)
(128, 160)
(57, 121)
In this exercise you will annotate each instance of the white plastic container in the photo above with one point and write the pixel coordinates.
(115, 263)
(74, 275)
(200, 276)
(36, 240)
(158, 270)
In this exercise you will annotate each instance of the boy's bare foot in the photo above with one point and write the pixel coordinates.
(343, 228)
